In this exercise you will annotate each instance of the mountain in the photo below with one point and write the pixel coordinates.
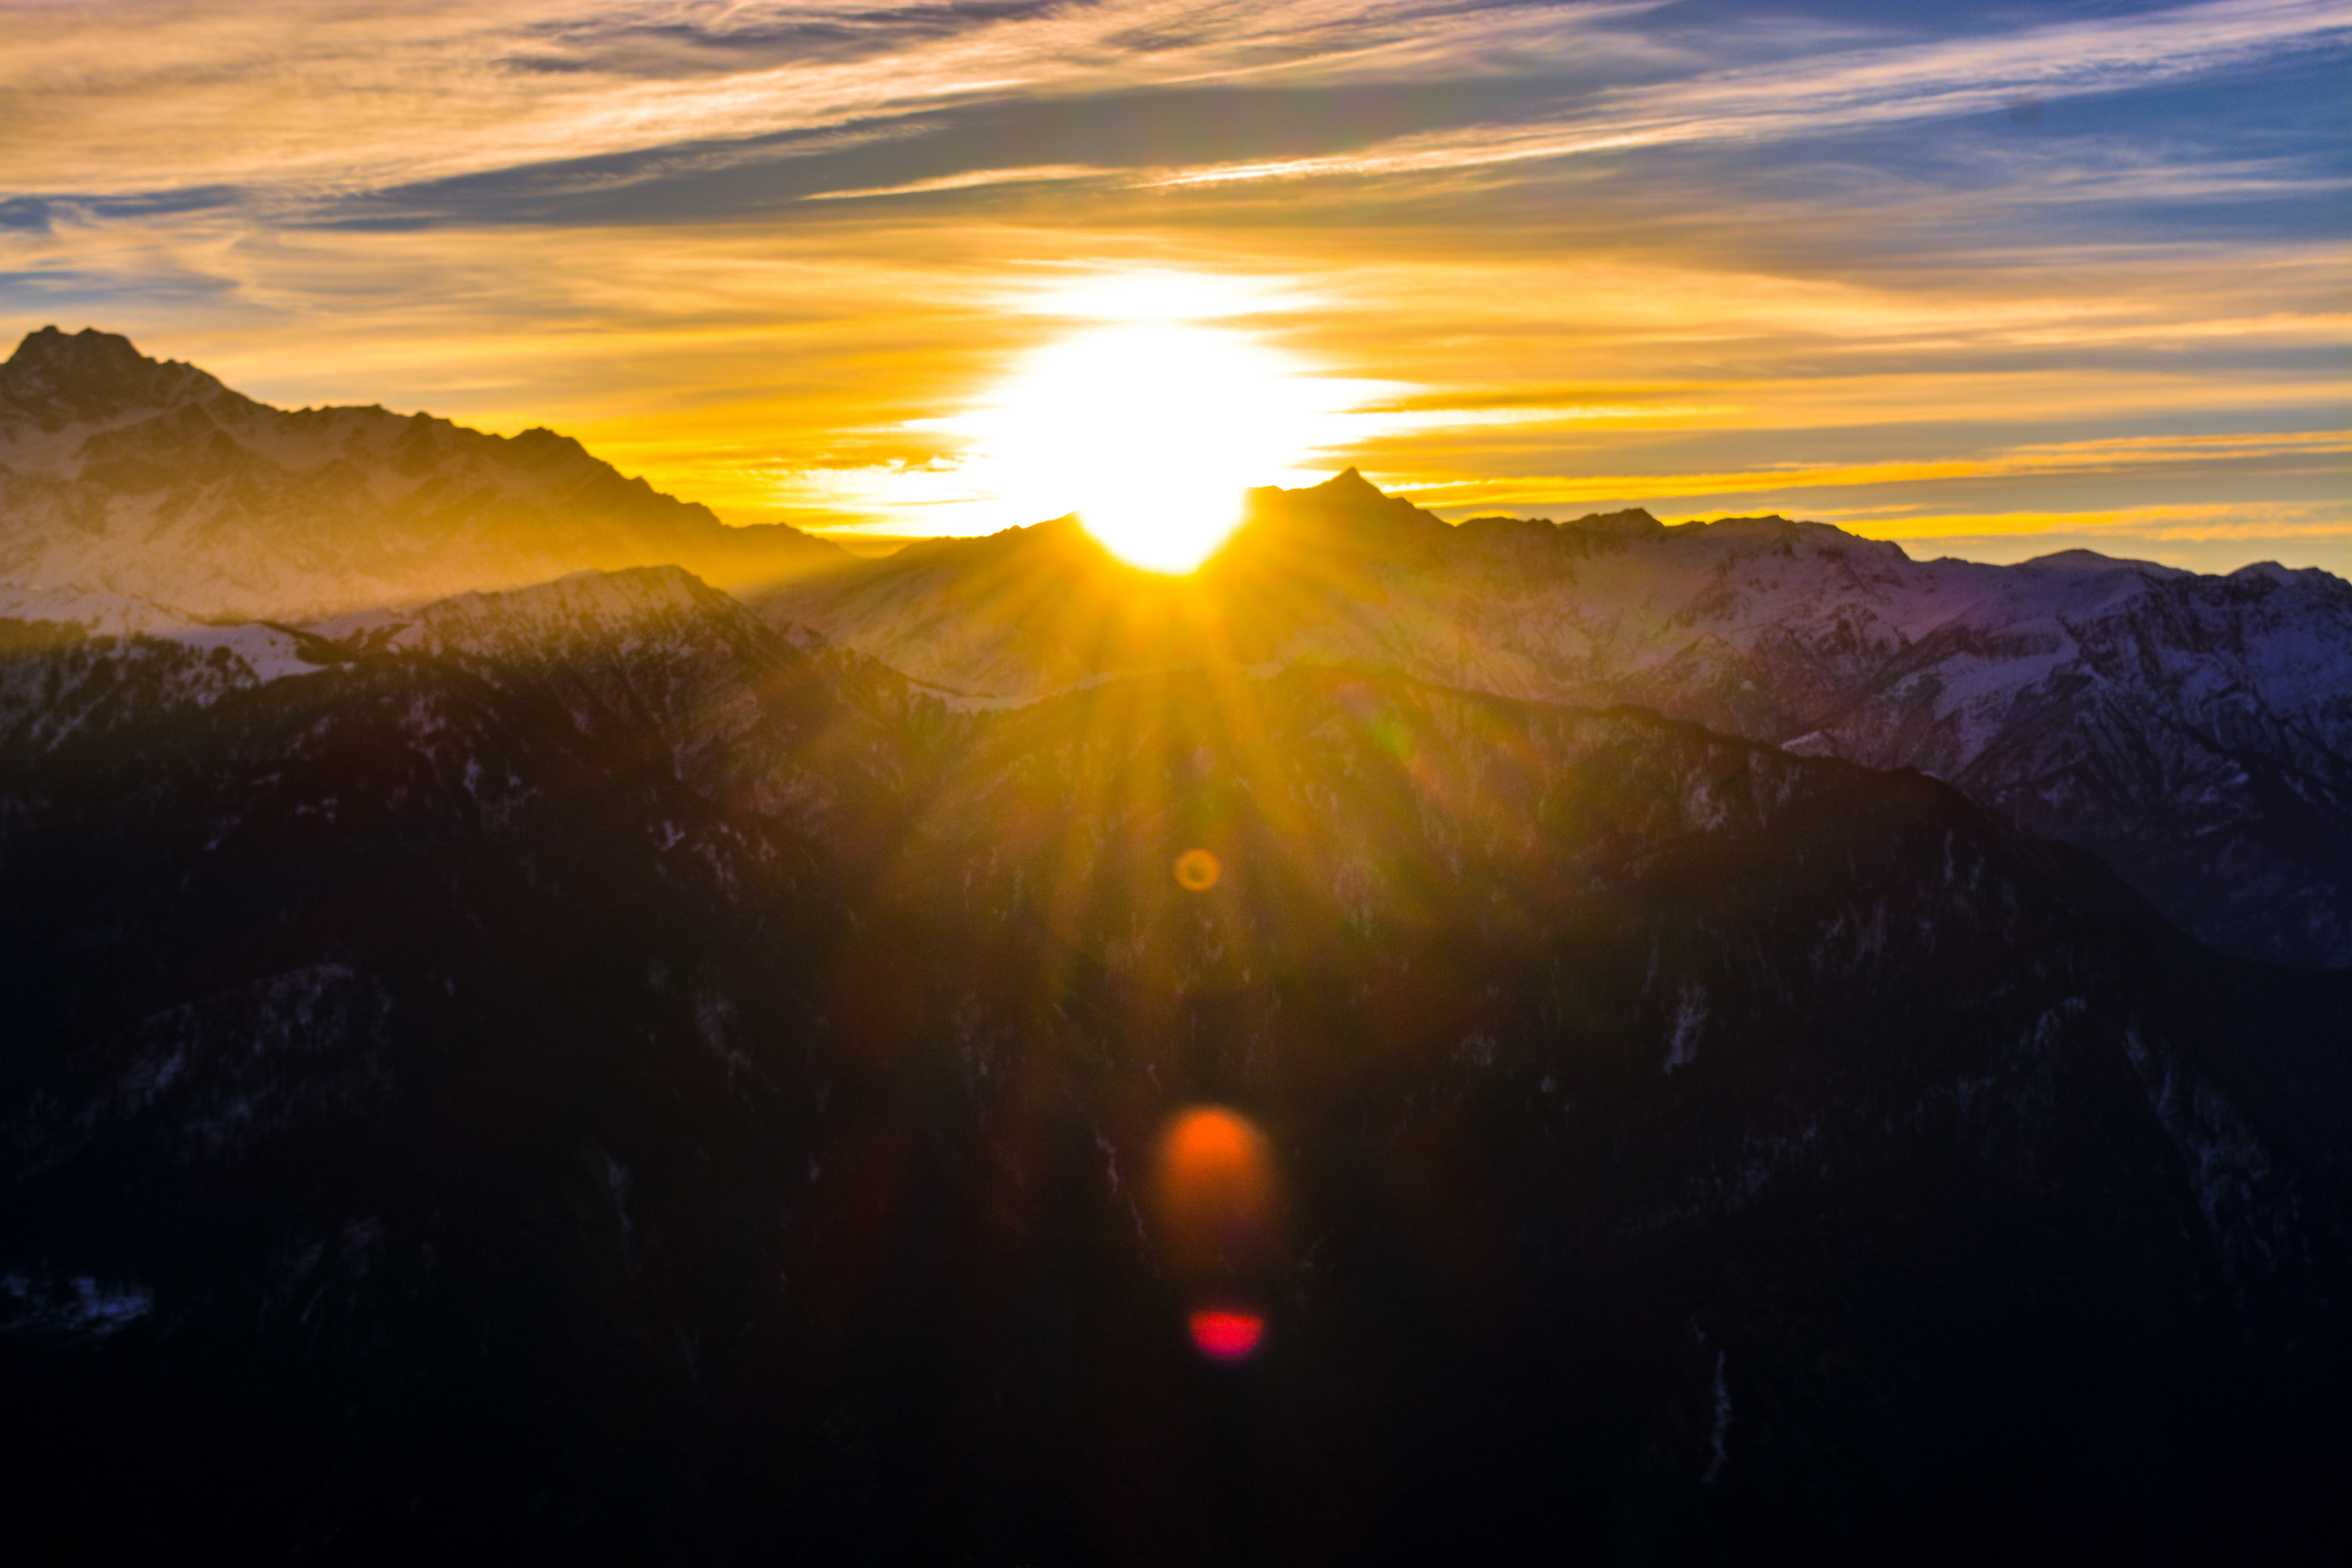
(147, 494)
(587, 1073)
(2196, 730)
(587, 1066)
(64, 683)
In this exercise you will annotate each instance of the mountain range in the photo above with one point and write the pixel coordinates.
(2195, 731)
(619, 1069)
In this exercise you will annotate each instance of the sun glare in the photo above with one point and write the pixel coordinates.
(1151, 425)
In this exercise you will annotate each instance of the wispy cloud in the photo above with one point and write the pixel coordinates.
(2219, 536)
(1982, 261)
(1853, 90)
(969, 180)
(308, 96)
(2105, 455)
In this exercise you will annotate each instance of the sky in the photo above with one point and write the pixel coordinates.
(1990, 280)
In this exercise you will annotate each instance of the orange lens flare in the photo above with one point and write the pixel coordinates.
(1214, 1196)
(1224, 1334)
(1197, 870)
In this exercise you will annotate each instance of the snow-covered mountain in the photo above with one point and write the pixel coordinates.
(2196, 729)
(142, 492)
(644, 641)
(604, 1069)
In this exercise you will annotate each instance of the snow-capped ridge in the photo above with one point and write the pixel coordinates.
(150, 481)
(539, 620)
(2180, 723)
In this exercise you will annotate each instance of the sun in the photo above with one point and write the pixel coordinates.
(1152, 427)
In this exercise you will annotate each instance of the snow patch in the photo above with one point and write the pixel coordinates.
(80, 1307)
(1690, 1020)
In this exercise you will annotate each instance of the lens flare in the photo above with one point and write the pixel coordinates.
(1213, 1197)
(1197, 870)
(1213, 1201)
(1225, 1334)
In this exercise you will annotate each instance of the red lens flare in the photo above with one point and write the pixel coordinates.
(1224, 1334)
(1197, 870)
(1214, 1202)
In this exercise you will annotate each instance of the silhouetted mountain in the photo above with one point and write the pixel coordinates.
(585, 1073)
(2196, 730)
(151, 495)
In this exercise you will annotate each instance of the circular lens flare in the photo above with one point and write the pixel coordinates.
(1197, 870)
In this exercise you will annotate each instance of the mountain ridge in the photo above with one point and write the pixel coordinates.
(606, 1069)
(149, 480)
(2196, 728)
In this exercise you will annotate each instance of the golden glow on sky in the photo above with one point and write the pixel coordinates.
(909, 270)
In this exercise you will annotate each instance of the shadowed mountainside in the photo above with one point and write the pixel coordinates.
(584, 1073)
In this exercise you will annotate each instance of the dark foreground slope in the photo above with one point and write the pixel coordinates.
(683, 1097)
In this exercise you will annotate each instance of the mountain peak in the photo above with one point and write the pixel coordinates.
(1631, 520)
(61, 377)
(54, 345)
(1350, 482)
(1346, 507)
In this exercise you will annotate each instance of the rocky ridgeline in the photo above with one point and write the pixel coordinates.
(124, 481)
(2195, 730)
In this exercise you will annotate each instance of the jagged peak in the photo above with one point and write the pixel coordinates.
(53, 345)
(539, 441)
(1631, 520)
(89, 374)
(1761, 523)
(1345, 495)
(1349, 481)
(2272, 571)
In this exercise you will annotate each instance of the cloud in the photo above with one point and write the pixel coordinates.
(968, 180)
(2218, 537)
(2106, 456)
(315, 99)
(1672, 252)
(1854, 90)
